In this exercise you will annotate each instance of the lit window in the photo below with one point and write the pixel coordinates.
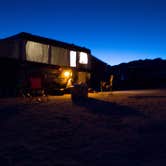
(36, 52)
(73, 58)
(83, 58)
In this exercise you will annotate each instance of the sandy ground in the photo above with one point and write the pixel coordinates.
(110, 128)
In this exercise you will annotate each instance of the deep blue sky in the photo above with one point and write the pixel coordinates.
(116, 31)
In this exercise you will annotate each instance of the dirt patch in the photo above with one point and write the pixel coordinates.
(107, 129)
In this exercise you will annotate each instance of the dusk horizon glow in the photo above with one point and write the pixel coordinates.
(115, 31)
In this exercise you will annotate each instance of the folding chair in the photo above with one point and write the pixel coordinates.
(36, 91)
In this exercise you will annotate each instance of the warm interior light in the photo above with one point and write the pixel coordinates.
(73, 58)
(83, 58)
(67, 73)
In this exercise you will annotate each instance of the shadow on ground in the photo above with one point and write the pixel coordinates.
(146, 143)
(107, 108)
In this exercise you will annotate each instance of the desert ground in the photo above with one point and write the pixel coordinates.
(110, 128)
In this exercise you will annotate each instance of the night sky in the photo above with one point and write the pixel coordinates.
(116, 31)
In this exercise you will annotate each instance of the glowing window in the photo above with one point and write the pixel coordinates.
(83, 58)
(73, 58)
(36, 52)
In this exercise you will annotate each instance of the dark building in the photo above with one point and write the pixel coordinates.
(100, 74)
(55, 65)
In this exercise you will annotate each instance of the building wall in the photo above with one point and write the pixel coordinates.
(48, 59)
(21, 59)
(54, 55)
(100, 73)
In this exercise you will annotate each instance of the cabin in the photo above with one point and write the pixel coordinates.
(50, 64)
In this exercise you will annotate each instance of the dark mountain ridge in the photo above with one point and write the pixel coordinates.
(140, 74)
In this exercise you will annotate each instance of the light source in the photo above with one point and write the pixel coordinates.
(67, 73)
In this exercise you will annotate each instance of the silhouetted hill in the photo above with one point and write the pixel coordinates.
(140, 74)
(157, 61)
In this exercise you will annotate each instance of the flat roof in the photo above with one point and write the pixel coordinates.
(44, 40)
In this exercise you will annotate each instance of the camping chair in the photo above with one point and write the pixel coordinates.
(36, 91)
